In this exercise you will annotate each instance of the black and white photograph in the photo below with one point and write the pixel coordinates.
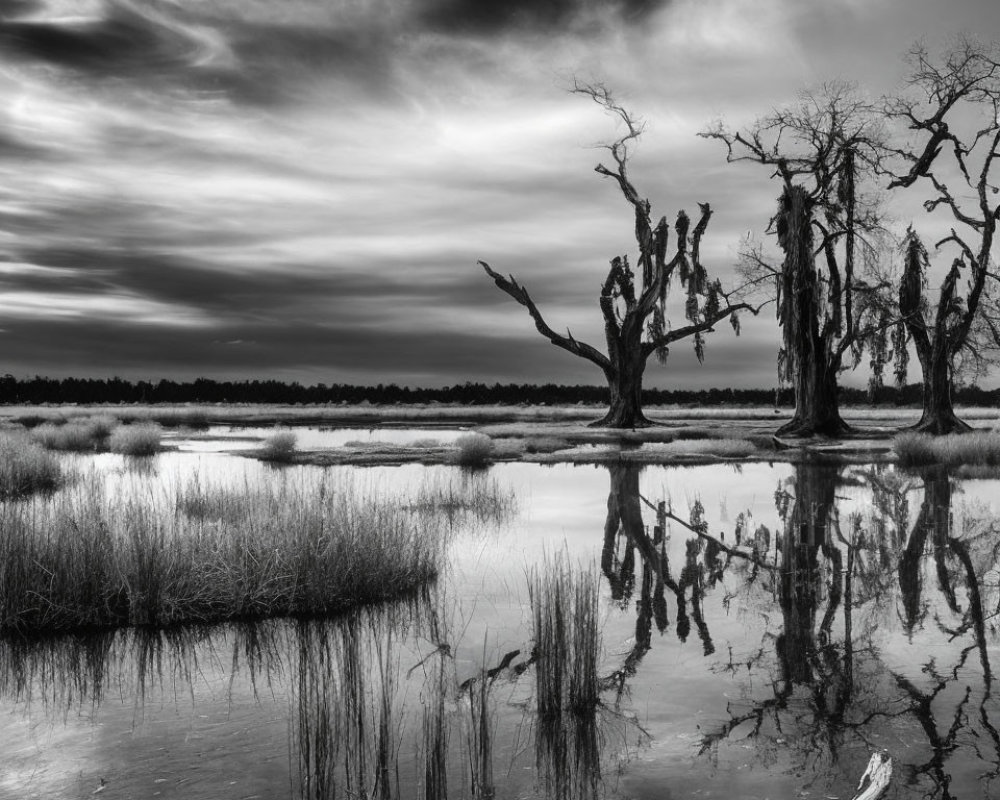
(499, 400)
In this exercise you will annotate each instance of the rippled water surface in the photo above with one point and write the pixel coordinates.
(803, 618)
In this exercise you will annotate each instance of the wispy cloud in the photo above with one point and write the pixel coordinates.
(303, 188)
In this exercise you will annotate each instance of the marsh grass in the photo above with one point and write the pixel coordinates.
(77, 437)
(568, 757)
(564, 608)
(280, 447)
(25, 467)
(473, 450)
(136, 439)
(89, 557)
(981, 449)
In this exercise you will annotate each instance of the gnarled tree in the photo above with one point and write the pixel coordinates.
(822, 149)
(954, 110)
(633, 301)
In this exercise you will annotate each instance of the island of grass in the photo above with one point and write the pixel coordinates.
(498, 433)
(89, 556)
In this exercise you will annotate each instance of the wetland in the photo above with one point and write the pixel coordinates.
(745, 628)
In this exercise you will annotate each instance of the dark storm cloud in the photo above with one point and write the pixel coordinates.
(124, 43)
(490, 16)
(224, 295)
(162, 46)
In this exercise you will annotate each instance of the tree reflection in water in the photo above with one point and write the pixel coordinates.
(833, 681)
(869, 609)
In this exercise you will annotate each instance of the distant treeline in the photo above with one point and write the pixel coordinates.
(116, 390)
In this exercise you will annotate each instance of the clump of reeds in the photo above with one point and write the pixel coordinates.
(280, 447)
(473, 450)
(568, 757)
(91, 558)
(137, 439)
(564, 607)
(79, 434)
(25, 467)
(75, 436)
(921, 449)
(101, 425)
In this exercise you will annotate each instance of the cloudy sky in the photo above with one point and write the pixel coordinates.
(301, 189)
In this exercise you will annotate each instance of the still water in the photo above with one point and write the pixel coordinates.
(805, 617)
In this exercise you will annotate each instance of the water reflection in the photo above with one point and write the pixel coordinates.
(375, 707)
(837, 610)
(829, 682)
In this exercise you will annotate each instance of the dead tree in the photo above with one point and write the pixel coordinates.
(954, 110)
(822, 149)
(633, 301)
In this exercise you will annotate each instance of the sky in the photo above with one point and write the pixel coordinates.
(300, 190)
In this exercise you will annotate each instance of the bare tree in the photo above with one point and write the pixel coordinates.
(953, 106)
(635, 321)
(824, 150)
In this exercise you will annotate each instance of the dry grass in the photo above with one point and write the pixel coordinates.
(137, 439)
(971, 449)
(25, 467)
(78, 437)
(88, 557)
(473, 450)
(564, 607)
(280, 446)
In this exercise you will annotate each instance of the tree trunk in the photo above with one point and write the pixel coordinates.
(817, 410)
(938, 415)
(625, 383)
(813, 365)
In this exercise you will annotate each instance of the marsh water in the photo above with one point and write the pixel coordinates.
(764, 629)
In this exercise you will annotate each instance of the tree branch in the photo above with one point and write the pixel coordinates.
(700, 327)
(520, 294)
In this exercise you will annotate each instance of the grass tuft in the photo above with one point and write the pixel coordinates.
(89, 557)
(473, 450)
(137, 439)
(25, 467)
(564, 607)
(280, 446)
(76, 437)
